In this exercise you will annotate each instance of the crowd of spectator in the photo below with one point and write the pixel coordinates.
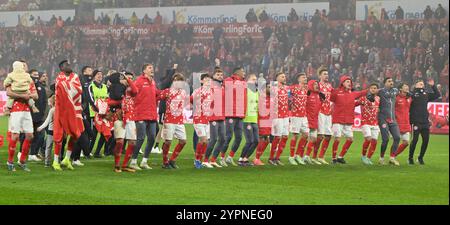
(40, 48)
(428, 14)
(251, 17)
(19, 5)
(22, 5)
(104, 19)
(335, 13)
(366, 50)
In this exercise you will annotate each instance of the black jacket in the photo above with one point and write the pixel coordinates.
(41, 103)
(85, 82)
(418, 113)
(164, 83)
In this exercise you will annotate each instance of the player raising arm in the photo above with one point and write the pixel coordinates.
(343, 115)
(176, 98)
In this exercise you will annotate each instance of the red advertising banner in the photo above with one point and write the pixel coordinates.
(198, 30)
(438, 117)
(2, 102)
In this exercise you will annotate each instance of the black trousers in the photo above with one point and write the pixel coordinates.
(157, 131)
(63, 147)
(251, 134)
(110, 145)
(194, 141)
(217, 139)
(424, 131)
(233, 126)
(38, 140)
(83, 143)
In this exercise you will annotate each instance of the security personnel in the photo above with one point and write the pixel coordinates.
(97, 90)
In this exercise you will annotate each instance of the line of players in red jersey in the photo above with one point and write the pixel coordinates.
(318, 112)
(312, 112)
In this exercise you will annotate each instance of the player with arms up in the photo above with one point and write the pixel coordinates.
(176, 99)
(343, 115)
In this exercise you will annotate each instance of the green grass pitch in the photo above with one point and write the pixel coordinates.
(354, 183)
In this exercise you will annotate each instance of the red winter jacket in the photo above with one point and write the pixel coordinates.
(344, 103)
(235, 97)
(402, 105)
(146, 99)
(313, 105)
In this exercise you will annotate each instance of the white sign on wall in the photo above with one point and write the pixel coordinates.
(28, 18)
(217, 14)
(413, 9)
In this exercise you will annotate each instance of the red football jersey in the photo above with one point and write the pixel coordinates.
(175, 102)
(22, 105)
(128, 107)
(402, 105)
(280, 101)
(369, 110)
(202, 100)
(326, 89)
(299, 96)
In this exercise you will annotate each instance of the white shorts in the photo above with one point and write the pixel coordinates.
(170, 130)
(370, 131)
(342, 129)
(298, 125)
(202, 130)
(20, 122)
(129, 132)
(313, 134)
(280, 127)
(324, 125)
(405, 136)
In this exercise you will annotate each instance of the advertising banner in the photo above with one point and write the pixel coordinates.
(28, 18)
(199, 30)
(2, 102)
(413, 9)
(438, 117)
(216, 14)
